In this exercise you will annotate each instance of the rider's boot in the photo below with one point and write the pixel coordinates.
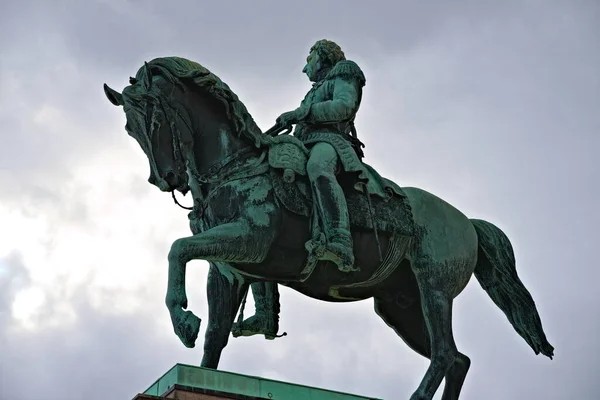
(265, 320)
(335, 222)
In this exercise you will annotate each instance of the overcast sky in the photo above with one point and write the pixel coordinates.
(492, 105)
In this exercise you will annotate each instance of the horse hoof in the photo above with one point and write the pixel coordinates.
(188, 329)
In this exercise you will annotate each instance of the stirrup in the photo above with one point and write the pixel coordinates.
(343, 256)
(243, 328)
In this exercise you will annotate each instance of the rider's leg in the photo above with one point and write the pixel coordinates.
(331, 205)
(265, 320)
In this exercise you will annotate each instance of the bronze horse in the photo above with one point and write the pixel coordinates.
(416, 252)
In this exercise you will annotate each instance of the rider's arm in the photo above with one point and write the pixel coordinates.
(342, 107)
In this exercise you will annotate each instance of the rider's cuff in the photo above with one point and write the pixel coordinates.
(302, 113)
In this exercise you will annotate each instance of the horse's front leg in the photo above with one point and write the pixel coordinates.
(225, 293)
(231, 242)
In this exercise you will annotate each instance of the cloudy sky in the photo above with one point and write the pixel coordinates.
(494, 106)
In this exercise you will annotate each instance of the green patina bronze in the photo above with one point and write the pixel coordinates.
(304, 211)
(190, 377)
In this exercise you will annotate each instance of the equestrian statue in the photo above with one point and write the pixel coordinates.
(303, 210)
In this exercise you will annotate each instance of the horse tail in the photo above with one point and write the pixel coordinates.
(497, 274)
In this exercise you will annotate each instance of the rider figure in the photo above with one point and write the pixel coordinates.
(325, 124)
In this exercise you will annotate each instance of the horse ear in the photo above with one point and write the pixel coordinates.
(113, 96)
(147, 82)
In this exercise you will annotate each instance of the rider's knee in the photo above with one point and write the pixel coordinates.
(323, 160)
(323, 150)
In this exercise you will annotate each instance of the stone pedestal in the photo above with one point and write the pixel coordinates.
(185, 382)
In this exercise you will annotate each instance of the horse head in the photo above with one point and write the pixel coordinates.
(156, 125)
(185, 119)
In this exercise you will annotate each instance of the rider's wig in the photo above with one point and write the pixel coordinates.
(330, 52)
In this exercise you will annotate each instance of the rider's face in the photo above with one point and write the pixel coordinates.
(313, 66)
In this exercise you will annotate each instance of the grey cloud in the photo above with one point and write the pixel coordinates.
(104, 30)
(491, 105)
(13, 278)
(100, 355)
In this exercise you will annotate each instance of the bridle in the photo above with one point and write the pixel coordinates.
(177, 202)
(178, 153)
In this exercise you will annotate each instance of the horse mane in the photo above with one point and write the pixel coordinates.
(182, 72)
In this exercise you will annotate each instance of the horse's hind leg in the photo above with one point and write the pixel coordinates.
(409, 323)
(224, 298)
(437, 311)
(455, 377)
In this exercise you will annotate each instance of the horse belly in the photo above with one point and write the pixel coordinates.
(287, 256)
(329, 284)
(287, 259)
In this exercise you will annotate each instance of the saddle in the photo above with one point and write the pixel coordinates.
(287, 157)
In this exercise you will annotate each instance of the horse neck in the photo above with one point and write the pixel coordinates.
(217, 143)
(214, 139)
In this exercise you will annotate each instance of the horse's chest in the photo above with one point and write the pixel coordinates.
(248, 199)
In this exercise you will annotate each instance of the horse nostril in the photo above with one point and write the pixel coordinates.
(170, 177)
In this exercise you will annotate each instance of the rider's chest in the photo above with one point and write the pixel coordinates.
(321, 91)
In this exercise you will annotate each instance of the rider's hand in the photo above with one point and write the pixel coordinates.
(287, 119)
